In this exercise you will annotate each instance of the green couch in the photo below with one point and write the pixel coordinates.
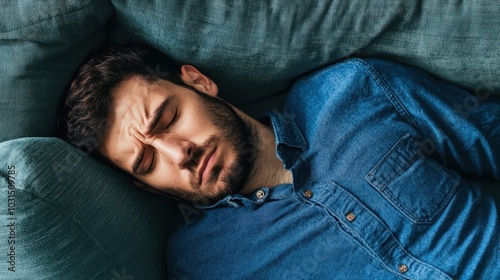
(65, 215)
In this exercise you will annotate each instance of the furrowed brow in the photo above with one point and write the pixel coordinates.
(158, 113)
(138, 161)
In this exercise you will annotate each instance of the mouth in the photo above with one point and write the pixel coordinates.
(206, 166)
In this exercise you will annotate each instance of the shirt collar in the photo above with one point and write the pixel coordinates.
(289, 140)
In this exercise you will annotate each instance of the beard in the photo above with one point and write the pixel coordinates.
(241, 135)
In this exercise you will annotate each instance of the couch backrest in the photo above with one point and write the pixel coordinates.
(255, 49)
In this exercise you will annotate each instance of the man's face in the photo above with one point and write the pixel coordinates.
(178, 140)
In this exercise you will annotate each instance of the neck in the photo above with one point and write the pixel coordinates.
(267, 169)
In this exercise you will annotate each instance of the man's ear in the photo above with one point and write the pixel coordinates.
(147, 188)
(197, 80)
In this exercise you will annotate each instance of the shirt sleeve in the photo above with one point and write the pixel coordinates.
(460, 129)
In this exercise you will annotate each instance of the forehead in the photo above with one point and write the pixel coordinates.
(137, 96)
(133, 90)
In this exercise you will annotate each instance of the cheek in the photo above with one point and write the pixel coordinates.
(197, 124)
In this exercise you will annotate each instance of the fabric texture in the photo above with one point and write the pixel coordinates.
(71, 217)
(42, 43)
(254, 49)
(377, 187)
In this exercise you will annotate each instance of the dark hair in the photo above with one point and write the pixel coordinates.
(83, 119)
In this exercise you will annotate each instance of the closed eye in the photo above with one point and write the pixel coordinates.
(151, 166)
(172, 121)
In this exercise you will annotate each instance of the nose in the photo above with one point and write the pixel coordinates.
(179, 151)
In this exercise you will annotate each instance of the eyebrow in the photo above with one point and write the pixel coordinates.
(158, 113)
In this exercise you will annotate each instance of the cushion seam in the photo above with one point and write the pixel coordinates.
(51, 17)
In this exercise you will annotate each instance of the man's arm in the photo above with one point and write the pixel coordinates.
(460, 129)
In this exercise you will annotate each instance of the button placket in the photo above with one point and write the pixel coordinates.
(384, 244)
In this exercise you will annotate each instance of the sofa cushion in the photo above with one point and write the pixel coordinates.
(452, 39)
(41, 45)
(253, 49)
(72, 217)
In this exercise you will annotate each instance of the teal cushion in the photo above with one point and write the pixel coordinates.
(253, 49)
(41, 45)
(75, 218)
(456, 40)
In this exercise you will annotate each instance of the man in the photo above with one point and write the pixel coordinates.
(358, 178)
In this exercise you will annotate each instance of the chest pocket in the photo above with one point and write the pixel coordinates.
(418, 186)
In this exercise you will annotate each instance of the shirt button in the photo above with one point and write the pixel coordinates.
(403, 268)
(350, 216)
(308, 194)
(260, 194)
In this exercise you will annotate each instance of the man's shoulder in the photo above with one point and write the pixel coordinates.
(319, 85)
(343, 81)
(344, 71)
(313, 92)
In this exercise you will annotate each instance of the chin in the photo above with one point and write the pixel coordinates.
(227, 179)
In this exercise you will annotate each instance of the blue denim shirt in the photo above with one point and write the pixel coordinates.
(377, 151)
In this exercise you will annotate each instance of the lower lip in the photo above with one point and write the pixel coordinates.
(208, 169)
